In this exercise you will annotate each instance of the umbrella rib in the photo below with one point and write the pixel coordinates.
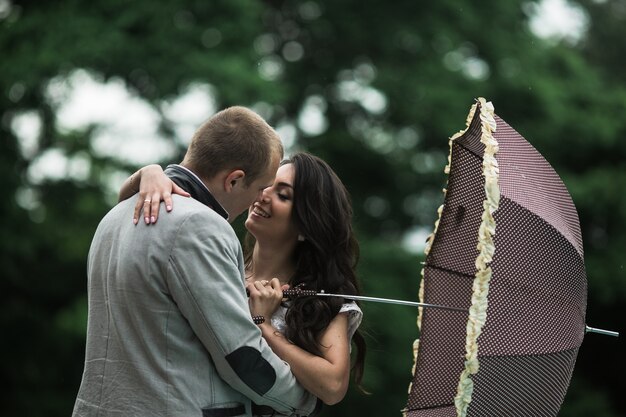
(441, 268)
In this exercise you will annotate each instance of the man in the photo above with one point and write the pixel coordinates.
(169, 330)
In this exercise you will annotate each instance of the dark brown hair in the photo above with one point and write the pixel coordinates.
(234, 138)
(326, 259)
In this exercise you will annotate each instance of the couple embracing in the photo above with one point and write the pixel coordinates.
(171, 330)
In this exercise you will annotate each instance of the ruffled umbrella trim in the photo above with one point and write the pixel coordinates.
(486, 248)
(480, 288)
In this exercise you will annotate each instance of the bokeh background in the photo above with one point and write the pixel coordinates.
(92, 90)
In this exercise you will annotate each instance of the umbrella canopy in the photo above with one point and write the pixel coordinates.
(507, 246)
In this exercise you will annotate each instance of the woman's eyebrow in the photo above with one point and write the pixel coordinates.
(284, 184)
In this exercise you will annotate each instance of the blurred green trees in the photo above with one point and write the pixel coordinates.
(375, 88)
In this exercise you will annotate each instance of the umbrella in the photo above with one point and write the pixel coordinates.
(507, 246)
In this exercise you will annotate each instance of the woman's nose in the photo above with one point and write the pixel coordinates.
(265, 198)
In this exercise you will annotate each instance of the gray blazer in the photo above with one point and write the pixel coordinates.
(169, 330)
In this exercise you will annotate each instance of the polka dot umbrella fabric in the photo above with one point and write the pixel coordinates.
(537, 293)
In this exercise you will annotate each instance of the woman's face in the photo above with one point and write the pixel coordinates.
(271, 218)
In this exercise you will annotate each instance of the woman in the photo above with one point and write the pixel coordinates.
(299, 235)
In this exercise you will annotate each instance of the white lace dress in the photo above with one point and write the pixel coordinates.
(355, 315)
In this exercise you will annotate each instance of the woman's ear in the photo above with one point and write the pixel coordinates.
(234, 179)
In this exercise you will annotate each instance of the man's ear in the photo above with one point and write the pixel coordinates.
(234, 179)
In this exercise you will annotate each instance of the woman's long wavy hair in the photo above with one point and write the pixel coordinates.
(326, 259)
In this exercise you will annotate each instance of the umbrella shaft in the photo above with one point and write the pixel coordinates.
(601, 331)
(390, 301)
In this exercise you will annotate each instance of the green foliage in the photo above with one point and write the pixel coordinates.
(393, 82)
(390, 330)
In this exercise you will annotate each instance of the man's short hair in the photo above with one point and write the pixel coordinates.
(234, 138)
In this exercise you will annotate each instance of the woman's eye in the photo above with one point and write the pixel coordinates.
(283, 197)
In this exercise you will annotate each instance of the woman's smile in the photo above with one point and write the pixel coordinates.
(256, 209)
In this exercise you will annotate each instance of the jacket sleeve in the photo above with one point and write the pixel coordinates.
(205, 277)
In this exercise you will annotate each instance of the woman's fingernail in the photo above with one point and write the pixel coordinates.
(168, 208)
(153, 219)
(135, 221)
(147, 220)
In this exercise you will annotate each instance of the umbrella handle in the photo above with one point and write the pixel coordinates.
(600, 331)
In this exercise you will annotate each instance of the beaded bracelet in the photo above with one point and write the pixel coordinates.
(258, 319)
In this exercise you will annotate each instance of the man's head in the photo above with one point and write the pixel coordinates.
(236, 154)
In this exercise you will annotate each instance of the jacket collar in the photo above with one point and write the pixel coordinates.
(190, 182)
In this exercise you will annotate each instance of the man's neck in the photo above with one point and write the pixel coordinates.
(190, 182)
